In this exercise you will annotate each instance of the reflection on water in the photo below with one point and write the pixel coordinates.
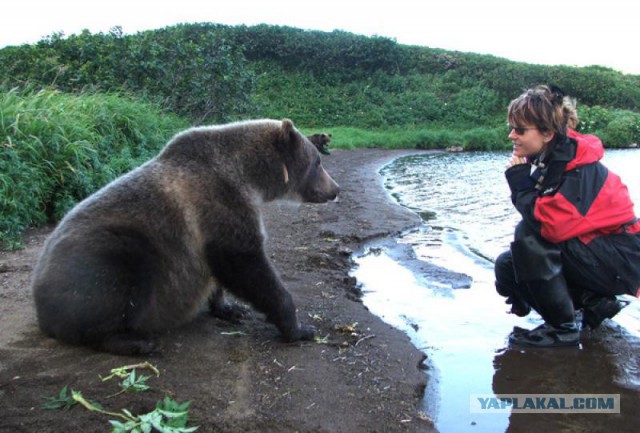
(458, 329)
(469, 220)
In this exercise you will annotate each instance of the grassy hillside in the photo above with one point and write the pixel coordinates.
(66, 129)
(213, 73)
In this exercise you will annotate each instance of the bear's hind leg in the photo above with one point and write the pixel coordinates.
(99, 299)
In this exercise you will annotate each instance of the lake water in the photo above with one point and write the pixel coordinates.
(468, 217)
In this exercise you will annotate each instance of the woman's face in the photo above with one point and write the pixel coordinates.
(528, 140)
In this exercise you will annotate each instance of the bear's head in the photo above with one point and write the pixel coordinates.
(321, 141)
(270, 157)
(303, 172)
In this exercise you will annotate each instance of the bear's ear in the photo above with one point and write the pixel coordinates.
(287, 128)
(287, 132)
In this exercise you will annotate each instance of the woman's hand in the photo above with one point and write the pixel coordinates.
(515, 160)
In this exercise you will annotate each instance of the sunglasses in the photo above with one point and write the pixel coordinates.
(519, 129)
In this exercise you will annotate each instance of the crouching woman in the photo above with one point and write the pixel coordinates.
(578, 243)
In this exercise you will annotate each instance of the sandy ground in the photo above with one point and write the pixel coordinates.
(363, 377)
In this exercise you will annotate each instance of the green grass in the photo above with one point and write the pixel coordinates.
(415, 138)
(56, 148)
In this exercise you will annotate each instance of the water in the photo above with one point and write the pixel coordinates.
(468, 217)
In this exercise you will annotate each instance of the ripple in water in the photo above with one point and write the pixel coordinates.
(465, 204)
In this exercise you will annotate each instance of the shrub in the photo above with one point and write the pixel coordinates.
(58, 148)
(623, 130)
(483, 139)
(593, 119)
(436, 139)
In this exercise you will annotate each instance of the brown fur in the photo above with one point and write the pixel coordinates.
(143, 254)
(321, 141)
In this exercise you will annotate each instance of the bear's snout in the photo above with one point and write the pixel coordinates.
(332, 194)
(325, 189)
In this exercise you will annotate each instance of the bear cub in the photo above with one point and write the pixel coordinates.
(144, 253)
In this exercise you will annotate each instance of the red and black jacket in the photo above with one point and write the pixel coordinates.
(572, 195)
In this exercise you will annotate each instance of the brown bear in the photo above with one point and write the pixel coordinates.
(146, 252)
(321, 142)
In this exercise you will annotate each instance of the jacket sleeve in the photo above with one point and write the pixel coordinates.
(591, 201)
(523, 193)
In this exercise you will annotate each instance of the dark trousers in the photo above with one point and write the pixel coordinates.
(580, 268)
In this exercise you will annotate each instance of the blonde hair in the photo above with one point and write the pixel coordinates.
(546, 108)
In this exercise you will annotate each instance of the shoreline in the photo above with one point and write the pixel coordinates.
(361, 375)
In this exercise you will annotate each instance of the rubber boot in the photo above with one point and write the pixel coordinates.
(553, 303)
(538, 264)
(597, 308)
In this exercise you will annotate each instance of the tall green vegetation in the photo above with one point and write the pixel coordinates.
(213, 73)
(57, 148)
(62, 143)
(193, 73)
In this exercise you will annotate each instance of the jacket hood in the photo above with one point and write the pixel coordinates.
(589, 149)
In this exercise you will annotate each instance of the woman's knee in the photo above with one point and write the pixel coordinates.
(505, 276)
(504, 267)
